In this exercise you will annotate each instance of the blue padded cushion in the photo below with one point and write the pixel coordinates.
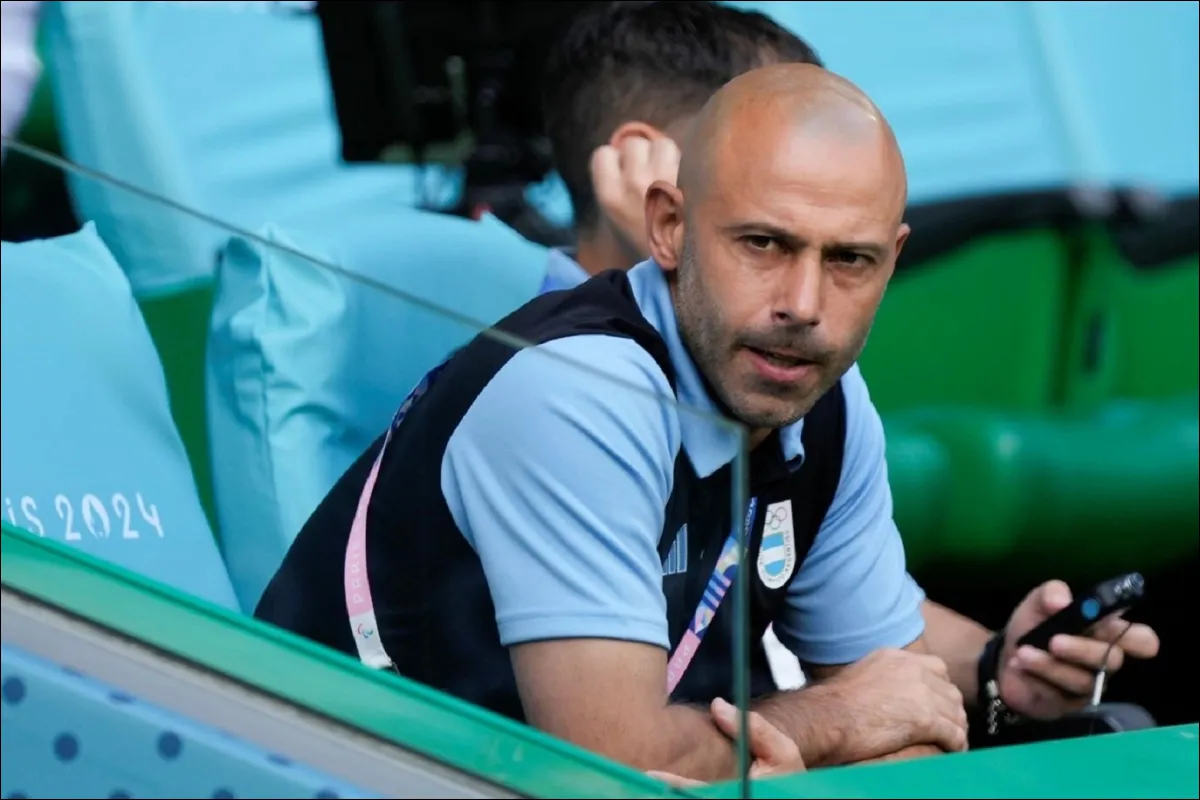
(1134, 118)
(69, 735)
(989, 97)
(89, 454)
(306, 365)
(958, 81)
(223, 107)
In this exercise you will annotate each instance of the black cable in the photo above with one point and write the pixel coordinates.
(1098, 685)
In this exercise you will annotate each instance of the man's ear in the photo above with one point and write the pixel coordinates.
(901, 237)
(665, 223)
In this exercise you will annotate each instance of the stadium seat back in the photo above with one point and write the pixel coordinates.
(223, 107)
(89, 454)
(307, 364)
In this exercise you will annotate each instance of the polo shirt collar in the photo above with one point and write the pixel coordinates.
(562, 270)
(709, 444)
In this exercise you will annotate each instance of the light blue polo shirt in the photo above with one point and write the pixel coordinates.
(562, 272)
(559, 478)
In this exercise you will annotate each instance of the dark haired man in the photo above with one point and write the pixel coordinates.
(621, 86)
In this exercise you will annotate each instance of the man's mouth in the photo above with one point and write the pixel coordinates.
(781, 358)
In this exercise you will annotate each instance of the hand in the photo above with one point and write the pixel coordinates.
(773, 752)
(896, 700)
(621, 175)
(1046, 685)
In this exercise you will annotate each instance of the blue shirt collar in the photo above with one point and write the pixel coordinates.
(709, 445)
(563, 271)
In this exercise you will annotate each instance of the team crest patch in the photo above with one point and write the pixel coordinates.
(777, 556)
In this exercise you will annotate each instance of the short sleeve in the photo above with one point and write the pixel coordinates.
(853, 593)
(558, 476)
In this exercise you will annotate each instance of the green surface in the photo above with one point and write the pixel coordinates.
(1158, 763)
(1004, 371)
(178, 324)
(286, 666)
(1088, 363)
(1157, 318)
(978, 327)
(1145, 324)
(1089, 493)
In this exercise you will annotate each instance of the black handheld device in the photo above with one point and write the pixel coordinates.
(1087, 609)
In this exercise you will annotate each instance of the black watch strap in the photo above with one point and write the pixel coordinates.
(996, 713)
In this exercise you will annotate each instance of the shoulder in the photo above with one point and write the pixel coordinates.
(586, 380)
(587, 404)
(864, 428)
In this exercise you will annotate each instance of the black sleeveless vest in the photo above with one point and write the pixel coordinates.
(431, 596)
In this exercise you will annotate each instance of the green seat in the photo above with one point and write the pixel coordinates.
(1159, 330)
(1155, 303)
(1078, 495)
(973, 315)
(919, 474)
(1134, 319)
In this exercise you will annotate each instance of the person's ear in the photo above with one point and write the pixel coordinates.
(634, 130)
(665, 224)
(901, 237)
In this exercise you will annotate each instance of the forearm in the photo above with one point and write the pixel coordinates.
(689, 745)
(958, 641)
(814, 717)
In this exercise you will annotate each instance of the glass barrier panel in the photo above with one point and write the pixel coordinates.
(166, 439)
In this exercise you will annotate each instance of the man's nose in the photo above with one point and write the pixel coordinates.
(799, 300)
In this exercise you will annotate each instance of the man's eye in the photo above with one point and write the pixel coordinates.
(851, 259)
(759, 242)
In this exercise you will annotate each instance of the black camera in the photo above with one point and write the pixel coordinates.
(434, 82)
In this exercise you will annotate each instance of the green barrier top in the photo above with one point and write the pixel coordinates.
(281, 664)
(1155, 763)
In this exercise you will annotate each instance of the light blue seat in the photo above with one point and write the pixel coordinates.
(306, 365)
(960, 83)
(223, 107)
(989, 97)
(88, 453)
(1128, 79)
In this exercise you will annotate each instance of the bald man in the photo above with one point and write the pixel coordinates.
(840, 121)
(547, 533)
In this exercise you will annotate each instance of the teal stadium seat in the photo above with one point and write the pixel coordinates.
(219, 107)
(306, 364)
(1127, 78)
(88, 453)
(222, 107)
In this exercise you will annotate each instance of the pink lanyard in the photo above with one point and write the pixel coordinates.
(361, 609)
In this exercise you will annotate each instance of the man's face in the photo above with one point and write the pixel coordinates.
(784, 259)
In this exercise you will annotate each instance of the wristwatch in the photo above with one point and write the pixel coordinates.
(996, 713)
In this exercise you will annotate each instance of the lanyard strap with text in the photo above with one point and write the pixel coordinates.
(718, 585)
(359, 605)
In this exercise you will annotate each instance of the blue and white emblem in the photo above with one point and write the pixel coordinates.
(777, 556)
